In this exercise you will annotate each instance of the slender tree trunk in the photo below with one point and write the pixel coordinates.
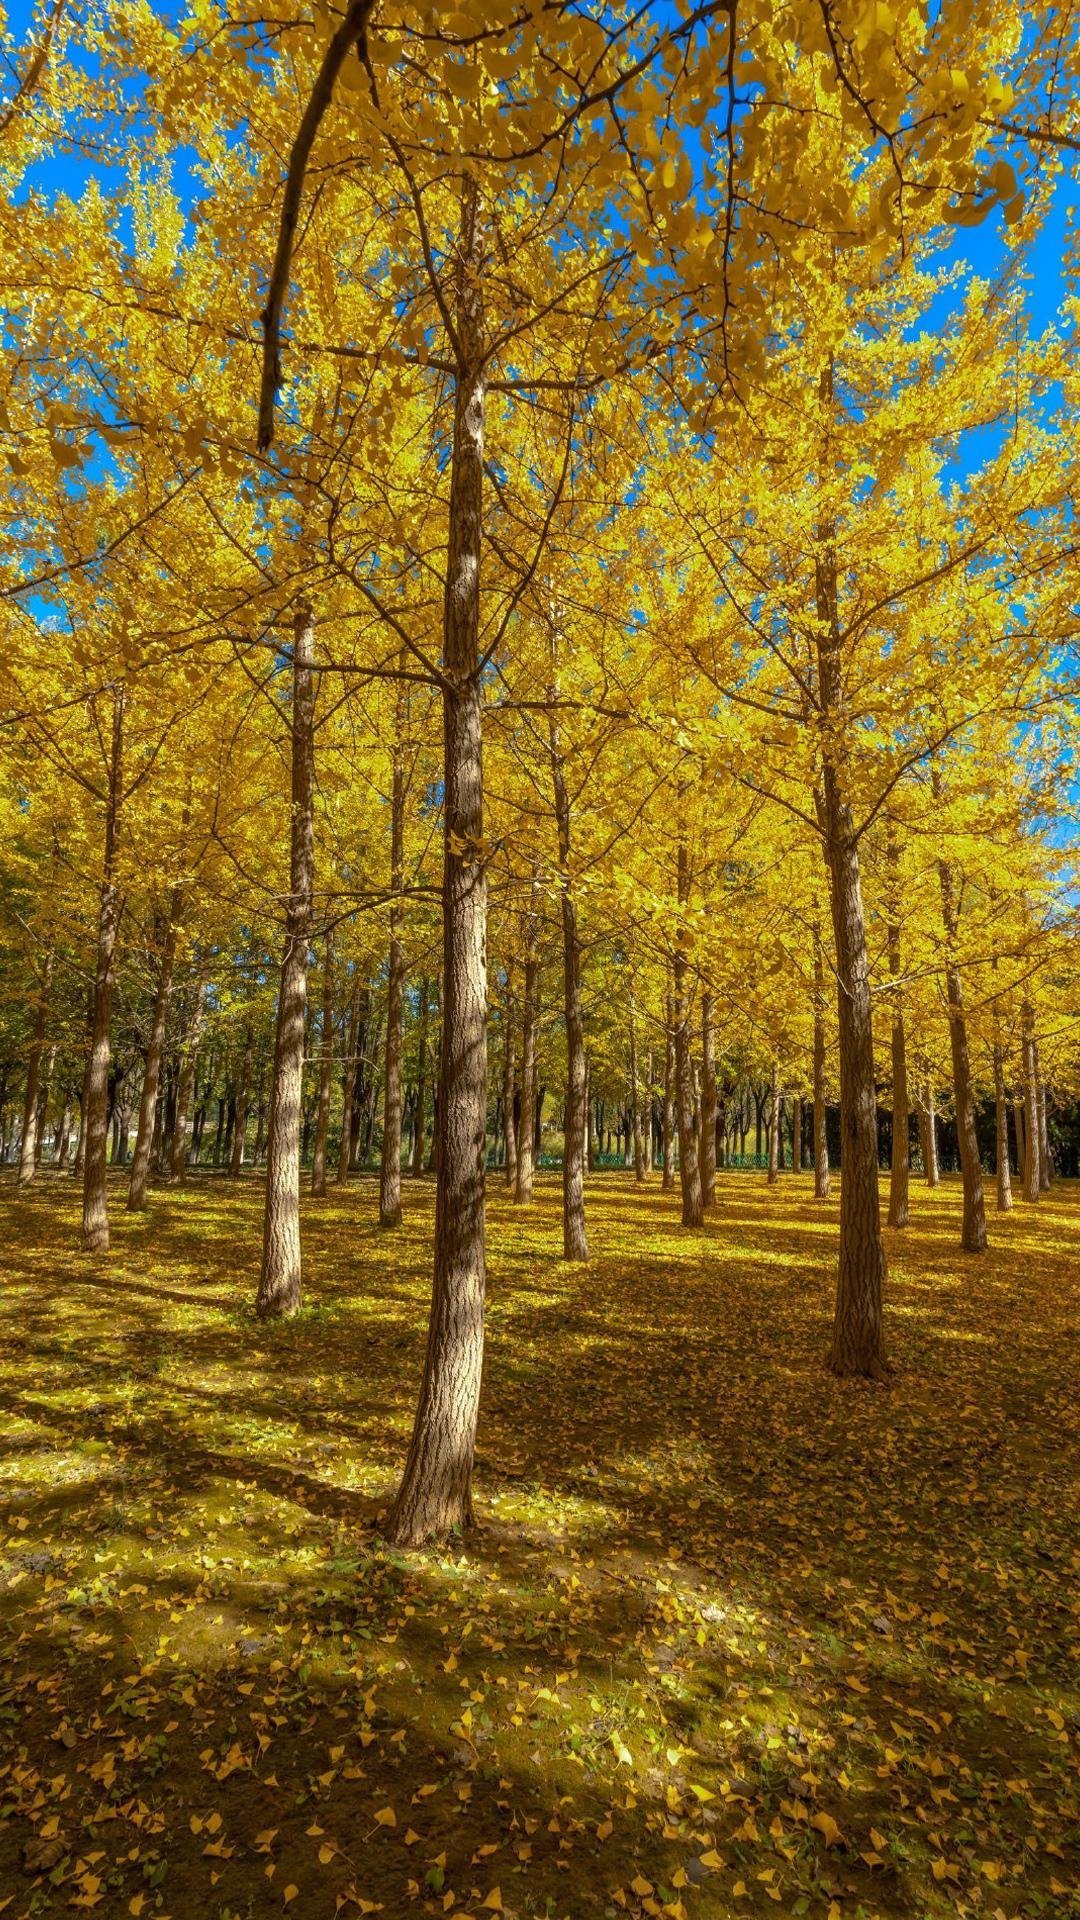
(635, 1100)
(530, 1010)
(1018, 1127)
(1001, 1130)
(1044, 1131)
(575, 1143)
(858, 1342)
(95, 1220)
(436, 1490)
(348, 1076)
(243, 1105)
(144, 1136)
(822, 1180)
(509, 1127)
(1031, 1106)
(693, 1211)
(667, 1124)
(280, 1277)
(928, 1129)
(774, 1126)
(421, 1082)
(28, 1147)
(390, 1164)
(899, 1176)
(326, 1071)
(973, 1230)
(708, 1104)
(796, 1133)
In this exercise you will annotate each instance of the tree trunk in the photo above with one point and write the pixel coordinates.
(144, 1136)
(796, 1133)
(243, 1104)
(1018, 1128)
(667, 1124)
(973, 1229)
(280, 1276)
(390, 1163)
(774, 1125)
(95, 1219)
(901, 1152)
(822, 1180)
(185, 1093)
(693, 1212)
(436, 1490)
(858, 1341)
(29, 1145)
(1001, 1131)
(530, 1011)
(1044, 1131)
(421, 1082)
(928, 1129)
(1031, 1106)
(575, 1143)
(509, 1126)
(635, 1100)
(348, 1076)
(708, 1104)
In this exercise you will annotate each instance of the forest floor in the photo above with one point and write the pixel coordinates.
(732, 1638)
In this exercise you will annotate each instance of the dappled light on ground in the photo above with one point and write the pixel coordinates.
(731, 1637)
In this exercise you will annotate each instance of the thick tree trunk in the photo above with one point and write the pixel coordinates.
(708, 1104)
(95, 1219)
(436, 1490)
(575, 1143)
(1001, 1131)
(390, 1164)
(509, 1123)
(821, 1143)
(29, 1146)
(280, 1277)
(635, 1100)
(421, 1082)
(144, 1137)
(530, 1013)
(973, 1228)
(899, 1175)
(667, 1124)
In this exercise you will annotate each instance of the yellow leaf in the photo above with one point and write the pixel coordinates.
(828, 1828)
(290, 1893)
(494, 1901)
(386, 1817)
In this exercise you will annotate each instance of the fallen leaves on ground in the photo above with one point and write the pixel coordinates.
(732, 1637)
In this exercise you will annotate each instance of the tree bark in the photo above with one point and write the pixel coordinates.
(420, 1131)
(29, 1147)
(144, 1136)
(667, 1123)
(1044, 1131)
(928, 1129)
(390, 1163)
(95, 1219)
(575, 1143)
(708, 1104)
(899, 1174)
(348, 1072)
(280, 1279)
(1031, 1105)
(510, 1132)
(973, 1228)
(243, 1105)
(858, 1341)
(693, 1211)
(822, 1179)
(436, 1490)
(530, 1011)
(774, 1125)
(1001, 1131)
(635, 1100)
